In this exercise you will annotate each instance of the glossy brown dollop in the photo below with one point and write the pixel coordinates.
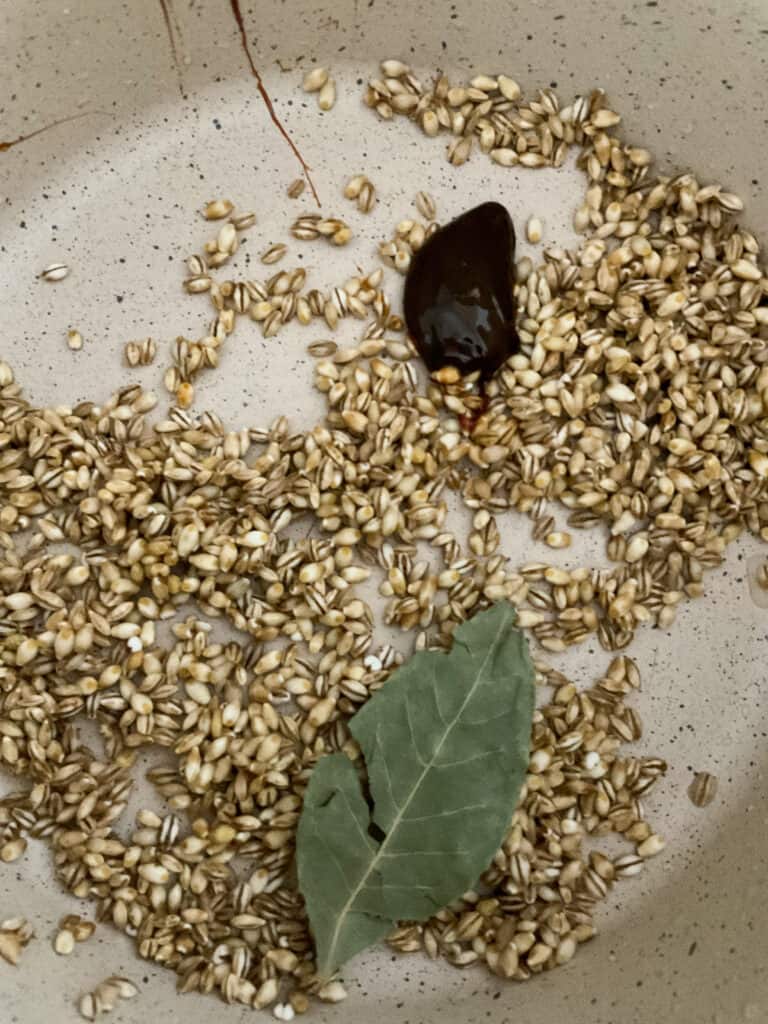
(459, 304)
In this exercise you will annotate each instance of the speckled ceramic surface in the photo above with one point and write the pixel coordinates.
(114, 194)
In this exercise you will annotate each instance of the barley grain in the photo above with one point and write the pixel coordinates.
(703, 789)
(274, 253)
(533, 230)
(54, 272)
(326, 97)
(315, 79)
(218, 209)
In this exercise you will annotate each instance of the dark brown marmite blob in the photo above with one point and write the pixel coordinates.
(459, 305)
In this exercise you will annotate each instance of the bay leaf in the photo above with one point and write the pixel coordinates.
(446, 744)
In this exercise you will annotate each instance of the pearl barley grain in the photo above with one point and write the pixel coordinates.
(217, 209)
(55, 272)
(315, 79)
(533, 230)
(327, 95)
(64, 942)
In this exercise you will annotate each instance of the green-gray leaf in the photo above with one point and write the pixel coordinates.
(446, 744)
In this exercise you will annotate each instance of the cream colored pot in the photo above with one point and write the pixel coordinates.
(114, 192)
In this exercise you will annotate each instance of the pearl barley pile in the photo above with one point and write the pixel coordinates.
(638, 402)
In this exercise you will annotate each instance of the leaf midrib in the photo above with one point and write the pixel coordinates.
(428, 766)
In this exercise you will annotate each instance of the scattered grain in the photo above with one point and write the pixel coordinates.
(243, 221)
(361, 189)
(327, 95)
(274, 253)
(425, 204)
(218, 209)
(64, 942)
(140, 353)
(54, 272)
(315, 79)
(185, 395)
(703, 789)
(15, 934)
(533, 230)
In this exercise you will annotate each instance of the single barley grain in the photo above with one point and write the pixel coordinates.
(54, 272)
(703, 789)
(218, 209)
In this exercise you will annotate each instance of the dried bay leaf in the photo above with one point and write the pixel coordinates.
(446, 745)
(335, 855)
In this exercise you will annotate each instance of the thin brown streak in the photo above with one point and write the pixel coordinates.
(164, 7)
(46, 128)
(235, 4)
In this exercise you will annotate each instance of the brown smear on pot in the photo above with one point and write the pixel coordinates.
(165, 7)
(4, 146)
(235, 4)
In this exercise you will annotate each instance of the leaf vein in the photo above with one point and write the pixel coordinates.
(446, 814)
(469, 760)
(416, 751)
